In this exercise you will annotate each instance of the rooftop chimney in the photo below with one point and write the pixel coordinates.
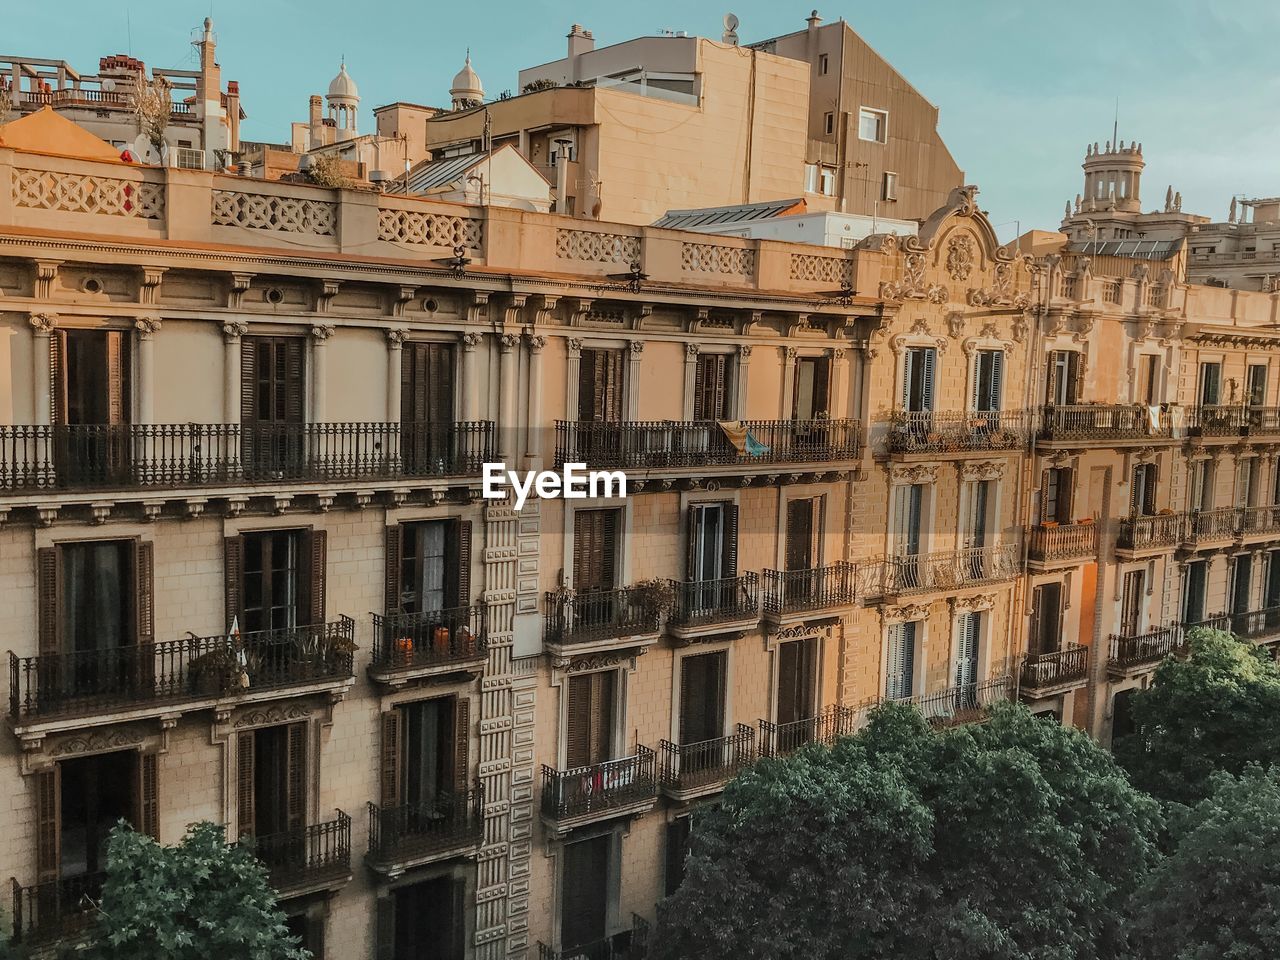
(580, 41)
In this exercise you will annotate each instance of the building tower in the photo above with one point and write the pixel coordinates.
(467, 90)
(344, 104)
(1113, 178)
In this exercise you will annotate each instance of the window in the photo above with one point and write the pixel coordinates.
(978, 494)
(1148, 379)
(1142, 501)
(272, 592)
(873, 125)
(428, 566)
(1202, 485)
(803, 548)
(585, 877)
(600, 386)
(1195, 578)
(908, 501)
(968, 636)
(1063, 383)
(1210, 384)
(988, 380)
(797, 680)
(824, 64)
(424, 760)
(590, 718)
(423, 921)
(91, 386)
(1271, 602)
(828, 123)
(595, 549)
(272, 392)
(1045, 633)
(271, 780)
(900, 670)
(812, 388)
(890, 190)
(1131, 603)
(426, 406)
(810, 178)
(711, 388)
(917, 379)
(827, 185)
(678, 831)
(1257, 384)
(1056, 489)
(1241, 583)
(1247, 482)
(702, 702)
(712, 558)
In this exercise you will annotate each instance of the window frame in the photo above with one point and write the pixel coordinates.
(881, 118)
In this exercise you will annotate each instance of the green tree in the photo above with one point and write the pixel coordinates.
(1217, 896)
(198, 899)
(1216, 710)
(1015, 839)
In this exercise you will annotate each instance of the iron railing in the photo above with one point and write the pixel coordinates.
(1217, 420)
(1260, 626)
(593, 615)
(960, 703)
(779, 739)
(1042, 670)
(1065, 541)
(1103, 421)
(630, 944)
(697, 602)
(192, 668)
(106, 456)
(1133, 650)
(404, 641)
(599, 787)
(55, 909)
(689, 766)
(955, 431)
(1259, 520)
(818, 588)
(307, 855)
(1149, 532)
(645, 444)
(952, 569)
(449, 821)
(1220, 523)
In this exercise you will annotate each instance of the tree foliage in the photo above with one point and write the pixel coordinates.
(1217, 896)
(1016, 839)
(199, 899)
(1216, 710)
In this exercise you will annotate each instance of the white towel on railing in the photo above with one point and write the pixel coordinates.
(1153, 416)
(1177, 421)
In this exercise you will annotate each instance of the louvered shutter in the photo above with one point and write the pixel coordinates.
(392, 601)
(462, 563)
(233, 577)
(245, 805)
(1066, 494)
(730, 542)
(315, 935)
(926, 386)
(49, 602)
(149, 795)
(578, 721)
(144, 568)
(602, 688)
(57, 378)
(799, 545)
(893, 666)
(296, 776)
(1035, 624)
(788, 681)
(294, 385)
(1075, 387)
(908, 370)
(996, 399)
(821, 385)
(710, 387)
(48, 818)
(461, 743)
(386, 928)
(691, 542)
(691, 698)
(609, 549)
(966, 671)
(249, 413)
(317, 569)
(116, 378)
(389, 773)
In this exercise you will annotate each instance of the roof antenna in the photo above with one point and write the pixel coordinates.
(1115, 128)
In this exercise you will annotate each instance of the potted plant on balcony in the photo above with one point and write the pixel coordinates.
(654, 597)
(214, 672)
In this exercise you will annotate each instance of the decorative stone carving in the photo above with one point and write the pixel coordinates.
(105, 196)
(982, 470)
(395, 338)
(234, 329)
(960, 257)
(272, 715)
(258, 211)
(691, 351)
(970, 604)
(536, 343)
(717, 258)
(43, 323)
(913, 473)
(147, 327)
(907, 612)
(636, 347)
(744, 352)
(574, 346)
(955, 324)
(593, 247)
(429, 229)
(98, 742)
(321, 332)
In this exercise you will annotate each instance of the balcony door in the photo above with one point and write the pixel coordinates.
(426, 407)
(1148, 392)
(272, 406)
(1142, 493)
(584, 889)
(988, 381)
(712, 556)
(702, 699)
(429, 566)
(1195, 578)
(803, 550)
(712, 399)
(600, 393)
(595, 550)
(968, 639)
(1046, 619)
(1271, 602)
(1056, 489)
(1063, 384)
(920, 365)
(1210, 384)
(900, 665)
(907, 509)
(812, 388)
(1256, 385)
(425, 920)
(1132, 595)
(90, 392)
(797, 681)
(590, 718)
(1241, 584)
(425, 761)
(271, 785)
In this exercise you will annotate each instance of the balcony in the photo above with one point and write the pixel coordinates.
(1149, 535)
(1259, 523)
(434, 643)
(796, 594)
(955, 432)
(963, 703)
(601, 791)
(691, 770)
(1054, 546)
(193, 673)
(697, 447)
(56, 911)
(596, 620)
(1206, 527)
(703, 607)
(1050, 674)
(407, 836)
(630, 944)
(780, 739)
(308, 859)
(1103, 424)
(1136, 653)
(1260, 626)
(1218, 421)
(202, 455)
(951, 570)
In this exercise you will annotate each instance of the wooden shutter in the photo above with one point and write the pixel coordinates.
(929, 356)
(730, 541)
(691, 697)
(392, 599)
(967, 649)
(390, 766)
(144, 569)
(116, 378)
(461, 743)
(233, 576)
(458, 916)
(57, 378)
(799, 545)
(908, 369)
(788, 681)
(296, 776)
(427, 383)
(702, 680)
(595, 549)
(462, 563)
(997, 380)
(49, 601)
(386, 928)
(578, 721)
(245, 804)
(691, 542)
(148, 802)
(318, 566)
(294, 386)
(710, 389)
(249, 413)
(1076, 388)
(584, 890)
(48, 818)
(821, 385)
(1035, 626)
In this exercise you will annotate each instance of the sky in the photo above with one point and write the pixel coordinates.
(1021, 87)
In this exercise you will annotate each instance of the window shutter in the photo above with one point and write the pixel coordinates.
(967, 650)
(609, 548)
(48, 817)
(926, 393)
(57, 379)
(244, 784)
(677, 850)
(578, 721)
(116, 393)
(908, 367)
(294, 385)
(233, 575)
(730, 565)
(975, 398)
(700, 409)
(386, 928)
(691, 542)
(461, 743)
(392, 600)
(1066, 494)
(1035, 626)
(149, 795)
(458, 916)
(821, 385)
(692, 694)
(296, 776)
(319, 559)
(144, 568)
(1073, 377)
(464, 563)
(249, 412)
(788, 680)
(390, 767)
(601, 717)
(49, 586)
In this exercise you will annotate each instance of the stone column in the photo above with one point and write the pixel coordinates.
(147, 328)
(691, 351)
(537, 427)
(632, 412)
(789, 355)
(232, 332)
(471, 376)
(42, 327)
(740, 382)
(572, 374)
(395, 354)
(508, 386)
(320, 335)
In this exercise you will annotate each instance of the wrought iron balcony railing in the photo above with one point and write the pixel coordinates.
(1220, 523)
(600, 787)
(55, 910)
(1062, 542)
(930, 431)
(697, 602)
(689, 766)
(1040, 671)
(1150, 532)
(636, 444)
(1103, 421)
(630, 944)
(1260, 626)
(597, 615)
(125, 456)
(307, 855)
(1135, 650)
(432, 638)
(193, 668)
(1218, 420)
(819, 588)
(957, 704)
(449, 821)
(949, 570)
(1259, 521)
(779, 739)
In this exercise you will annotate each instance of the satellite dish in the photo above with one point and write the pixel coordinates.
(730, 29)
